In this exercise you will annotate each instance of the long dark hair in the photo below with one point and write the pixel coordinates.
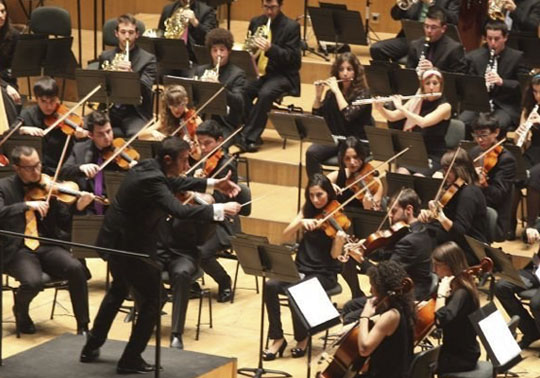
(359, 84)
(6, 32)
(452, 255)
(463, 166)
(528, 99)
(354, 143)
(310, 211)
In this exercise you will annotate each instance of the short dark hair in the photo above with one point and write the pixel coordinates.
(280, 2)
(219, 36)
(408, 197)
(98, 118)
(46, 87)
(171, 146)
(485, 121)
(437, 13)
(127, 18)
(19, 151)
(496, 25)
(210, 128)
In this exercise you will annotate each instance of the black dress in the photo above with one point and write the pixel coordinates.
(460, 349)
(7, 50)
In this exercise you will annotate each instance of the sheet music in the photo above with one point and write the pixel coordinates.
(499, 337)
(313, 302)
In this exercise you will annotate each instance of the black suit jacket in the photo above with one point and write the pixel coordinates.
(144, 64)
(450, 7)
(510, 64)
(196, 36)
(445, 54)
(143, 199)
(526, 17)
(234, 80)
(12, 217)
(285, 56)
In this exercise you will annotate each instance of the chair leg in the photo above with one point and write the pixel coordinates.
(199, 316)
(256, 284)
(54, 302)
(210, 309)
(17, 330)
(234, 283)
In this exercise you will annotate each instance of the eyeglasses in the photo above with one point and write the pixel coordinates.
(30, 168)
(481, 135)
(270, 7)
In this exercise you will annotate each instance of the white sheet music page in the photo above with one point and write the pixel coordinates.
(313, 302)
(499, 337)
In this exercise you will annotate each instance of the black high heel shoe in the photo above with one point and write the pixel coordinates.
(298, 352)
(269, 356)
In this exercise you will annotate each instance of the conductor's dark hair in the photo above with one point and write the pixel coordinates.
(496, 25)
(171, 146)
(437, 13)
(485, 121)
(19, 151)
(324, 183)
(210, 128)
(98, 118)
(408, 197)
(219, 36)
(46, 87)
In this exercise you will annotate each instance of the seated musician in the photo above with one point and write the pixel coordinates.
(126, 120)
(86, 157)
(496, 171)
(457, 298)
(441, 51)
(200, 19)
(219, 43)
(279, 61)
(501, 74)
(524, 15)
(429, 116)
(317, 257)
(37, 117)
(465, 211)
(347, 84)
(218, 165)
(396, 48)
(412, 251)
(8, 40)
(24, 210)
(385, 328)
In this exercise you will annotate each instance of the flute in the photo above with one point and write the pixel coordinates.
(324, 82)
(372, 100)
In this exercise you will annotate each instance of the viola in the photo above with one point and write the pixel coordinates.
(337, 222)
(67, 191)
(68, 125)
(126, 158)
(211, 163)
(189, 118)
(450, 192)
(365, 182)
(490, 160)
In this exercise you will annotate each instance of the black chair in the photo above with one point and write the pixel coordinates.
(51, 21)
(424, 363)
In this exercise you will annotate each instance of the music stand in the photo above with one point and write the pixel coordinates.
(260, 259)
(171, 54)
(201, 92)
(378, 79)
(202, 55)
(470, 90)
(244, 60)
(85, 229)
(415, 29)
(112, 180)
(23, 140)
(364, 222)
(145, 148)
(403, 80)
(117, 87)
(528, 43)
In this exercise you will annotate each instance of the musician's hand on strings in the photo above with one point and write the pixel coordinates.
(133, 163)
(12, 92)
(81, 133)
(84, 200)
(226, 186)
(310, 224)
(90, 170)
(445, 287)
(199, 173)
(41, 207)
(337, 189)
(31, 130)
(231, 208)
(532, 235)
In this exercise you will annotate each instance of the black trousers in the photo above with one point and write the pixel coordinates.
(316, 154)
(126, 122)
(144, 280)
(389, 49)
(272, 290)
(209, 262)
(266, 90)
(27, 267)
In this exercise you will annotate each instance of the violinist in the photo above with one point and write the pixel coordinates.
(346, 84)
(317, 257)
(210, 136)
(412, 251)
(23, 210)
(352, 166)
(38, 117)
(496, 171)
(457, 298)
(219, 43)
(462, 208)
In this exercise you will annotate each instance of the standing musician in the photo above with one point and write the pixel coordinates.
(38, 117)
(24, 210)
(218, 165)
(128, 119)
(219, 42)
(500, 65)
(461, 210)
(347, 84)
(143, 199)
(412, 251)
(390, 335)
(436, 48)
(429, 116)
(317, 257)
(496, 171)
(197, 16)
(457, 298)
(279, 61)
(524, 15)
(396, 48)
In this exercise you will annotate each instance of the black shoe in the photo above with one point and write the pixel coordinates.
(241, 144)
(259, 142)
(176, 341)
(82, 330)
(527, 340)
(224, 295)
(195, 290)
(89, 354)
(138, 367)
(24, 323)
(269, 356)
(251, 147)
(297, 352)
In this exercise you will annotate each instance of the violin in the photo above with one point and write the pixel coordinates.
(363, 183)
(189, 118)
(490, 160)
(4, 161)
(67, 191)
(337, 222)
(69, 125)
(211, 163)
(125, 159)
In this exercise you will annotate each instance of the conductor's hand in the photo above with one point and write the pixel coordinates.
(90, 170)
(226, 186)
(42, 207)
(231, 208)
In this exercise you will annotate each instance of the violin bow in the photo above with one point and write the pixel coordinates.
(438, 195)
(57, 172)
(390, 210)
(17, 126)
(70, 111)
(481, 156)
(130, 140)
(184, 123)
(375, 168)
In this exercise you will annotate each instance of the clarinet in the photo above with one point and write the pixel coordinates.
(491, 67)
(423, 53)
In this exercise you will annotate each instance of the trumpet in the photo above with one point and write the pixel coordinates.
(372, 100)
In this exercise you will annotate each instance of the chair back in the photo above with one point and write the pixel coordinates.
(454, 134)
(51, 21)
(424, 363)
(109, 27)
